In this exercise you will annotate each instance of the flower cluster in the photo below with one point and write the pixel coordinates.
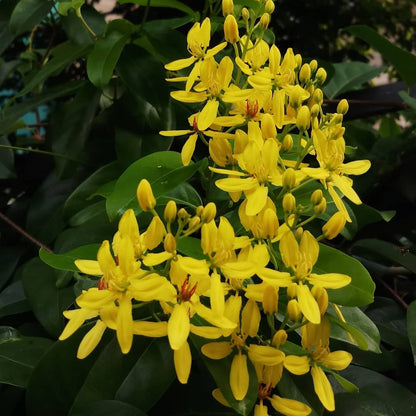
(262, 118)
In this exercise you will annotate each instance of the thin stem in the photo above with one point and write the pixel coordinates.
(78, 13)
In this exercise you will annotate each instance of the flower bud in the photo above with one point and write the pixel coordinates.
(303, 118)
(268, 128)
(299, 233)
(264, 21)
(318, 96)
(342, 107)
(316, 196)
(293, 310)
(209, 212)
(314, 65)
(245, 14)
(199, 210)
(231, 29)
(269, 7)
(270, 224)
(289, 178)
(292, 290)
(170, 243)
(170, 211)
(320, 76)
(183, 215)
(287, 143)
(270, 299)
(315, 110)
(320, 208)
(298, 60)
(227, 7)
(305, 73)
(279, 338)
(334, 225)
(145, 196)
(289, 203)
(194, 222)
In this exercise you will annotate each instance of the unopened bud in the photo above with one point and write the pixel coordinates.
(269, 7)
(227, 7)
(199, 210)
(292, 290)
(264, 21)
(231, 29)
(183, 215)
(170, 211)
(315, 110)
(299, 233)
(298, 60)
(320, 76)
(318, 96)
(194, 222)
(316, 196)
(320, 208)
(270, 300)
(303, 118)
(305, 73)
(293, 310)
(314, 65)
(170, 243)
(268, 128)
(289, 178)
(321, 296)
(334, 225)
(209, 212)
(287, 143)
(270, 224)
(342, 106)
(279, 338)
(245, 14)
(289, 203)
(145, 196)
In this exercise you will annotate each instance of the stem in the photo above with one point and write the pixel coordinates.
(78, 13)
(24, 233)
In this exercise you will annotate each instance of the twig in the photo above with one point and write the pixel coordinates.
(24, 233)
(392, 292)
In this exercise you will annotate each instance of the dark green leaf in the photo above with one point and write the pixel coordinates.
(108, 408)
(6, 68)
(27, 14)
(66, 261)
(103, 59)
(9, 257)
(173, 4)
(184, 194)
(403, 61)
(164, 171)
(191, 246)
(6, 160)
(14, 112)
(360, 291)
(361, 404)
(13, 300)
(6, 36)
(411, 327)
(349, 76)
(49, 302)
(90, 212)
(18, 357)
(344, 383)
(410, 101)
(65, 6)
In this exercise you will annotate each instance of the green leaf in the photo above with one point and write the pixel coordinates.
(13, 300)
(9, 258)
(384, 251)
(164, 171)
(184, 194)
(364, 332)
(46, 299)
(18, 357)
(403, 61)
(6, 160)
(387, 391)
(361, 404)
(70, 127)
(6, 36)
(173, 4)
(61, 56)
(103, 59)
(343, 382)
(66, 261)
(108, 408)
(90, 212)
(191, 246)
(59, 375)
(27, 14)
(65, 6)
(410, 101)
(350, 76)
(360, 291)
(15, 112)
(411, 327)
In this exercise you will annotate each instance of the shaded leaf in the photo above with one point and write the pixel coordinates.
(108, 408)
(6, 160)
(173, 4)
(27, 14)
(411, 327)
(13, 300)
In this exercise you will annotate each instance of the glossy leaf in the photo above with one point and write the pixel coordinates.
(164, 171)
(6, 36)
(9, 258)
(360, 291)
(184, 194)
(349, 76)
(191, 246)
(89, 213)
(19, 356)
(13, 300)
(28, 13)
(103, 59)
(411, 327)
(402, 60)
(173, 4)
(361, 404)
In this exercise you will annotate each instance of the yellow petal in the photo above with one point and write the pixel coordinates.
(308, 304)
(172, 133)
(323, 388)
(213, 51)
(95, 299)
(289, 407)
(239, 378)
(217, 294)
(208, 114)
(256, 200)
(338, 202)
(153, 259)
(91, 267)
(329, 280)
(309, 248)
(219, 397)
(188, 96)
(289, 250)
(104, 257)
(150, 329)
(345, 186)
(91, 340)
(125, 324)
(357, 167)
(208, 332)
(76, 318)
(274, 277)
(237, 184)
(217, 350)
(182, 359)
(152, 287)
(265, 354)
(180, 64)
(337, 360)
(179, 326)
(250, 318)
(297, 365)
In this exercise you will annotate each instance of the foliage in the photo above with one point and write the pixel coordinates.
(224, 272)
